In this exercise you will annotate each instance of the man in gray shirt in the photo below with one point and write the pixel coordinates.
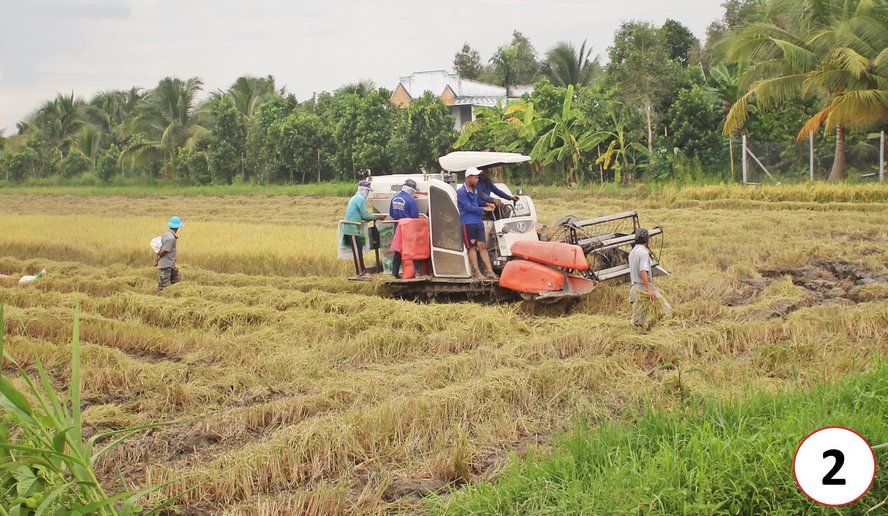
(643, 282)
(165, 260)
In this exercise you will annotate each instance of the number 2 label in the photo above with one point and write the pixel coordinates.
(834, 466)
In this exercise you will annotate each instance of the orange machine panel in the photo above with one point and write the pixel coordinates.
(415, 242)
(559, 254)
(530, 277)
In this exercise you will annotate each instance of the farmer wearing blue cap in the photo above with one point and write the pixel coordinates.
(166, 257)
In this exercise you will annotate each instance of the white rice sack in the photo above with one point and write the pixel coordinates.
(156, 244)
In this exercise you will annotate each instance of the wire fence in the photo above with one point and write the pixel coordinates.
(765, 161)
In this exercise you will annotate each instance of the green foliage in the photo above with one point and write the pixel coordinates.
(302, 136)
(693, 124)
(75, 164)
(514, 63)
(21, 164)
(467, 62)
(680, 42)
(566, 65)
(46, 465)
(108, 166)
(227, 141)
(565, 139)
(424, 132)
(709, 457)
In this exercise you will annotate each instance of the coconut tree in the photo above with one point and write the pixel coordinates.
(168, 119)
(723, 88)
(59, 120)
(833, 51)
(249, 92)
(565, 65)
(360, 88)
(88, 141)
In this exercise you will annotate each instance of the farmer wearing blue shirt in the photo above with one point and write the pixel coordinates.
(353, 233)
(471, 209)
(486, 187)
(403, 206)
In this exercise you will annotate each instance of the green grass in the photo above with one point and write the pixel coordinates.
(705, 458)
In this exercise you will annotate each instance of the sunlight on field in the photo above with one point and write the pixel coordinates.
(296, 391)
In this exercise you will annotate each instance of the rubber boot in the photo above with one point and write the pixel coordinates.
(396, 265)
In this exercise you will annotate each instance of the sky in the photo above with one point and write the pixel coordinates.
(84, 46)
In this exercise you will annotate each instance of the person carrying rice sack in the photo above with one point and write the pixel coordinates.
(643, 294)
(165, 260)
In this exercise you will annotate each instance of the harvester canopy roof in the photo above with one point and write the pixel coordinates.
(462, 160)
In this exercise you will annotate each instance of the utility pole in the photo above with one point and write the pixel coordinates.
(743, 160)
(811, 160)
(882, 158)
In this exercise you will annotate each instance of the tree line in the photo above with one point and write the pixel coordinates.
(665, 107)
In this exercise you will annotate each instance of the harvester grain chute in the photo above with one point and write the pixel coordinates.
(533, 261)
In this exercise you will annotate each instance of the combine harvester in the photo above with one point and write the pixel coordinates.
(532, 264)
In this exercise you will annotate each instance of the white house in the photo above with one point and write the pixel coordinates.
(462, 95)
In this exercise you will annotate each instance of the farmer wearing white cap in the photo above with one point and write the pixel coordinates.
(471, 209)
(165, 260)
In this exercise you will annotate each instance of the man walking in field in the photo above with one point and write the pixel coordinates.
(643, 294)
(165, 260)
(471, 209)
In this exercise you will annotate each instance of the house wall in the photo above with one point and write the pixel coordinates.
(463, 115)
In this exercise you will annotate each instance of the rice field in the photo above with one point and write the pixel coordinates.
(289, 389)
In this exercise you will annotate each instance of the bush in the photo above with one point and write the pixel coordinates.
(107, 165)
(75, 164)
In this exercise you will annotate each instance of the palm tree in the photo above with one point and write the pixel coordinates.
(565, 140)
(724, 89)
(59, 120)
(88, 142)
(249, 92)
(168, 119)
(360, 88)
(833, 51)
(565, 65)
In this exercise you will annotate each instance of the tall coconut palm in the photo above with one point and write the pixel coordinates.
(168, 119)
(833, 51)
(249, 92)
(565, 65)
(59, 120)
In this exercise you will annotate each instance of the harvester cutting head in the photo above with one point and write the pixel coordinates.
(606, 242)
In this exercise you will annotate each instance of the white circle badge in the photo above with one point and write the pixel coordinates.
(834, 466)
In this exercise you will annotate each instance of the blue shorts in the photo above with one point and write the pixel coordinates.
(473, 232)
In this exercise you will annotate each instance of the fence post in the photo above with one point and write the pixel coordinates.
(743, 160)
(811, 161)
(882, 158)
